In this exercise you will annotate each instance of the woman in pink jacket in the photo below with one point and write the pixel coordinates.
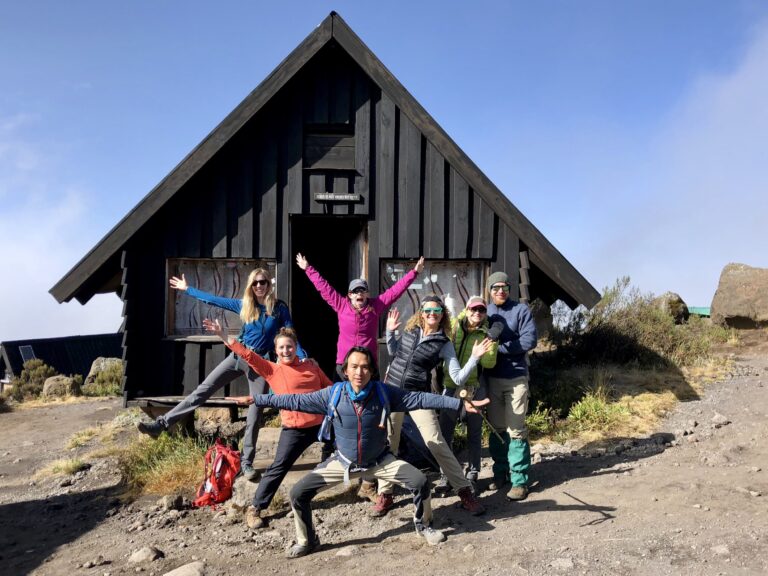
(358, 312)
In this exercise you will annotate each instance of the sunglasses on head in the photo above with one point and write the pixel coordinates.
(500, 287)
(359, 291)
(432, 310)
(260, 282)
(480, 309)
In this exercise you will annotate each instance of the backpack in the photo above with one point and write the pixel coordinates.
(336, 389)
(222, 464)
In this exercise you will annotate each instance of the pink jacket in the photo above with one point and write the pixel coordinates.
(358, 328)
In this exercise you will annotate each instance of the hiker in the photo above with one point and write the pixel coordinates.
(262, 315)
(300, 430)
(358, 416)
(424, 345)
(358, 312)
(469, 327)
(508, 389)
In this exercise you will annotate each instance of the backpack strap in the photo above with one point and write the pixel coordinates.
(384, 400)
(333, 401)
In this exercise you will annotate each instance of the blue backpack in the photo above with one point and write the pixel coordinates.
(336, 390)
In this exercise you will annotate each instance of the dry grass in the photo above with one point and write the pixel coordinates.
(61, 468)
(81, 438)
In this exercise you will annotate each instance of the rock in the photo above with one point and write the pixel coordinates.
(721, 550)
(191, 569)
(60, 386)
(213, 421)
(146, 554)
(347, 551)
(170, 502)
(242, 494)
(672, 305)
(536, 459)
(741, 299)
(562, 564)
(718, 420)
(98, 366)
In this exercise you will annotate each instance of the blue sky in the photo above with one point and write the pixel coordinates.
(632, 134)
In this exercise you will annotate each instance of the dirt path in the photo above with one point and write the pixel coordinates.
(691, 499)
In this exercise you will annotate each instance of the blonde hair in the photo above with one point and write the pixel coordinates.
(250, 309)
(445, 320)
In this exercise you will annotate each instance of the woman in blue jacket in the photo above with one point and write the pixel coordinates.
(262, 315)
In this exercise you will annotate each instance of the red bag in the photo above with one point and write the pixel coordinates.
(222, 464)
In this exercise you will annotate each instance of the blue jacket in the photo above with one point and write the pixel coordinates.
(358, 436)
(259, 335)
(517, 338)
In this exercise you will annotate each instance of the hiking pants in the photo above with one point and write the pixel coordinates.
(429, 428)
(506, 413)
(331, 472)
(230, 368)
(290, 446)
(448, 420)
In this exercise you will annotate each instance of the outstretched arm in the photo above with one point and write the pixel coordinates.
(331, 296)
(257, 363)
(311, 403)
(181, 284)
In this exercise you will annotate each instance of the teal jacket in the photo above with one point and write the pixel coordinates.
(463, 342)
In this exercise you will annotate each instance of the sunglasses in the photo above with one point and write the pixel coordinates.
(260, 282)
(500, 287)
(359, 291)
(432, 310)
(479, 309)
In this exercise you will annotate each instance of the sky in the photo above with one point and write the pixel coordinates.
(631, 133)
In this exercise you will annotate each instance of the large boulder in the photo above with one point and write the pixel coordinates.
(741, 299)
(101, 365)
(672, 305)
(60, 386)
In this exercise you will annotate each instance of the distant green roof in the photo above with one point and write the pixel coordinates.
(699, 310)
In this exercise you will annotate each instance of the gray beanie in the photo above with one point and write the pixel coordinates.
(495, 278)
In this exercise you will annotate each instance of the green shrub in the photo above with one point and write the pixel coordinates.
(542, 421)
(108, 382)
(596, 411)
(29, 384)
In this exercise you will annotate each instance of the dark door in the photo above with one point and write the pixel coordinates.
(336, 247)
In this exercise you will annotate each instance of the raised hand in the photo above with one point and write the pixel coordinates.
(301, 261)
(393, 320)
(419, 265)
(481, 347)
(179, 283)
(216, 327)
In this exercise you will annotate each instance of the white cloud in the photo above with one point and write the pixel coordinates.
(701, 195)
(41, 231)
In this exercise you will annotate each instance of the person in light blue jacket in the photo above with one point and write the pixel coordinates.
(262, 315)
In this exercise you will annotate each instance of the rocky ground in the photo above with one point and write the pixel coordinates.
(690, 499)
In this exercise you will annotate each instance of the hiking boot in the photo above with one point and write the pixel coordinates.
(248, 471)
(383, 505)
(498, 483)
(254, 519)
(367, 491)
(432, 536)
(152, 429)
(518, 492)
(299, 550)
(442, 487)
(469, 501)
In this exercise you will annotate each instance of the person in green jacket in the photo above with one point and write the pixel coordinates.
(469, 326)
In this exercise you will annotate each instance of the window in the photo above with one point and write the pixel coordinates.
(221, 277)
(27, 353)
(454, 281)
(329, 147)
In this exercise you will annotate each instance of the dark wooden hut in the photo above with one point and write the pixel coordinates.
(329, 156)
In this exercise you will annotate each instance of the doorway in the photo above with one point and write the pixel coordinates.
(337, 248)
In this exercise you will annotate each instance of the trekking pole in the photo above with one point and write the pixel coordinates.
(465, 396)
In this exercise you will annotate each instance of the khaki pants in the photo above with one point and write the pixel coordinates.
(429, 427)
(332, 472)
(509, 405)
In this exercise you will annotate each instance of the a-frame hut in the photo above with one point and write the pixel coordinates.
(329, 156)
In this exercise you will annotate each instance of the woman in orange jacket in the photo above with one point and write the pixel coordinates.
(288, 375)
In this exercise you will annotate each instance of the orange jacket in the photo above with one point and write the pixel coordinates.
(295, 378)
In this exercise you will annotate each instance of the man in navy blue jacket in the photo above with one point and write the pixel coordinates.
(361, 443)
(508, 388)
